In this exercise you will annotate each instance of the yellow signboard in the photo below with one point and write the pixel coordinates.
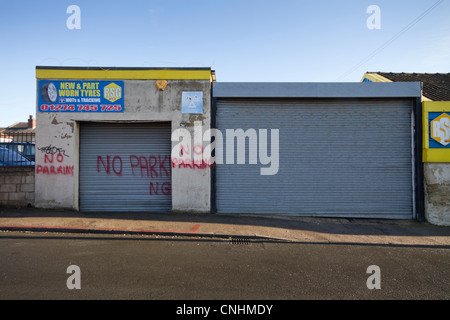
(436, 131)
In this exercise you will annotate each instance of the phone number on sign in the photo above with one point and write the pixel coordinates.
(81, 107)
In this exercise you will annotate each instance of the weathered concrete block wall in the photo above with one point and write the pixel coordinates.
(57, 141)
(17, 187)
(437, 193)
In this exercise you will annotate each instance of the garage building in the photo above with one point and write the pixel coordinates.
(104, 138)
(105, 142)
(345, 149)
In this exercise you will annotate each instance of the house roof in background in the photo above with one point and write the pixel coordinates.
(436, 86)
(18, 125)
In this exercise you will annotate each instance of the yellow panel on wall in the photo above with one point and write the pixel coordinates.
(125, 74)
(436, 131)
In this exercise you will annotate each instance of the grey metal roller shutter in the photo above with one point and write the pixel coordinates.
(341, 158)
(125, 167)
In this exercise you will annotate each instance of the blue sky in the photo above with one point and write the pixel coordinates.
(243, 40)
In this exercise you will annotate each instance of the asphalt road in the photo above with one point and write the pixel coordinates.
(34, 266)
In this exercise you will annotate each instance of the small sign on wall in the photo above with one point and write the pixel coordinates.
(192, 102)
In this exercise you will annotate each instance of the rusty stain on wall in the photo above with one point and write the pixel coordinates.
(71, 125)
(54, 121)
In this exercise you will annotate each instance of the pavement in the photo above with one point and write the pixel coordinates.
(226, 226)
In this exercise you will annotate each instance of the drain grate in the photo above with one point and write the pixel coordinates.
(239, 241)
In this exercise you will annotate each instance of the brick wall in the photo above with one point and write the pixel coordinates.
(17, 187)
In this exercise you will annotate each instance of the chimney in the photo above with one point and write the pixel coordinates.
(31, 123)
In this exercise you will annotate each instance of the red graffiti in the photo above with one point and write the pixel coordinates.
(194, 164)
(48, 158)
(165, 188)
(63, 170)
(202, 163)
(198, 149)
(154, 167)
(116, 164)
(52, 169)
(184, 149)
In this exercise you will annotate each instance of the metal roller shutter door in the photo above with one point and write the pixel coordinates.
(341, 158)
(125, 167)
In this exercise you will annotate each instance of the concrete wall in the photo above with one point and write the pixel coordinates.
(437, 193)
(57, 139)
(17, 187)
